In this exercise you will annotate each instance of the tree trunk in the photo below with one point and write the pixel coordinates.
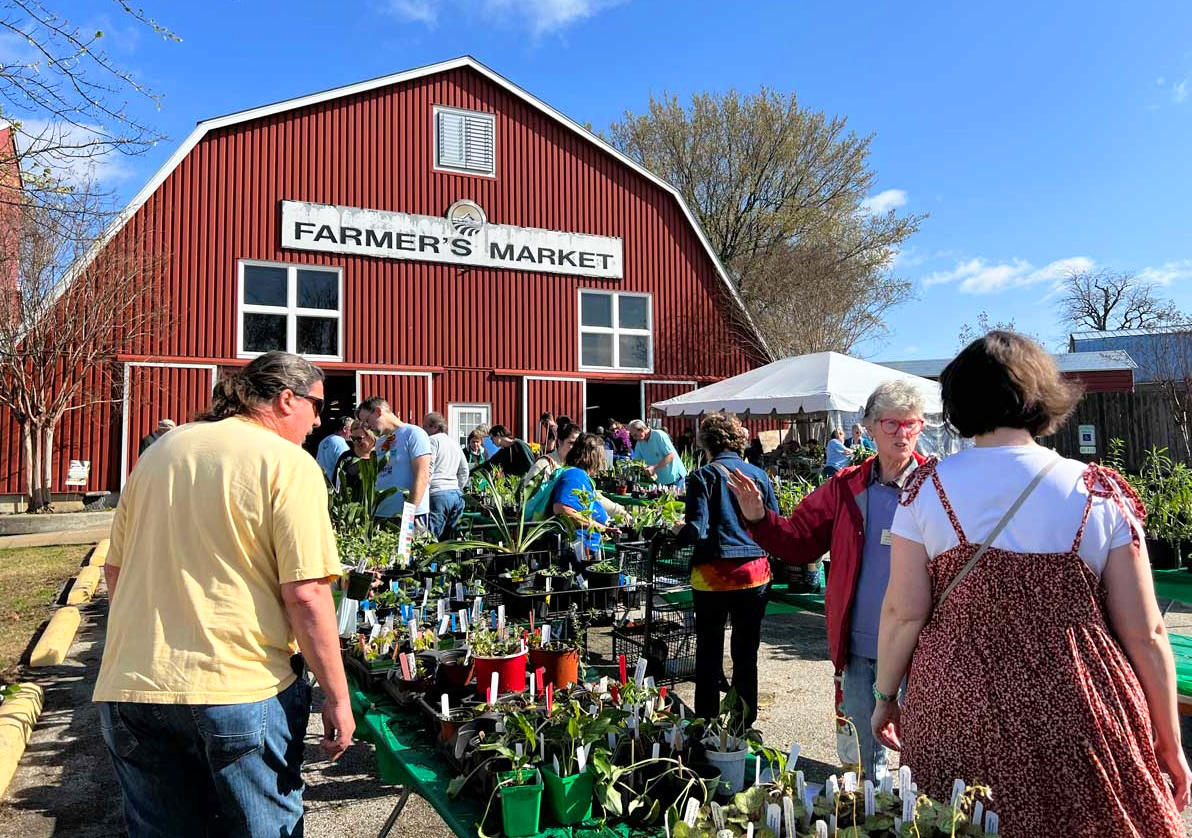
(35, 473)
(30, 464)
(47, 485)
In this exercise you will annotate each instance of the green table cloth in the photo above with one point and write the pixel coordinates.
(407, 756)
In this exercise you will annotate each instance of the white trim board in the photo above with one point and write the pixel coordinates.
(206, 126)
(646, 407)
(525, 405)
(430, 389)
(128, 365)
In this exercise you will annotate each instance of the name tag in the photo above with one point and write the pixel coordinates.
(887, 538)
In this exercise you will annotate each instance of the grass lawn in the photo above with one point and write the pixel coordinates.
(30, 579)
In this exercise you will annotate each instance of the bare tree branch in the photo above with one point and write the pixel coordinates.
(1107, 300)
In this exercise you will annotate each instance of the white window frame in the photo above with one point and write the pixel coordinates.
(616, 331)
(440, 166)
(453, 422)
(291, 311)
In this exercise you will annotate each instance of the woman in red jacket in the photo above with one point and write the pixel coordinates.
(850, 516)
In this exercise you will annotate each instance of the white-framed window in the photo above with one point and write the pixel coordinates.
(294, 308)
(462, 419)
(616, 331)
(465, 141)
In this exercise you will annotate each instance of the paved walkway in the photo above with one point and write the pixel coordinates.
(50, 539)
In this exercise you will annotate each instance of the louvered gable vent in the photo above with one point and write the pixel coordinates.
(464, 141)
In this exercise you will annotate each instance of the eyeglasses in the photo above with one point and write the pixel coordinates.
(359, 439)
(891, 426)
(315, 400)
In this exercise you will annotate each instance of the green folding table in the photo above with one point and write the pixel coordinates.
(407, 757)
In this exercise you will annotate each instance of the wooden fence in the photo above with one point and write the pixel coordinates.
(1142, 419)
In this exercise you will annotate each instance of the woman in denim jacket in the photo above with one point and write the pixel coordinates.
(730, 574)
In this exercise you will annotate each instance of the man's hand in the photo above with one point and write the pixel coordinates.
(338, 727)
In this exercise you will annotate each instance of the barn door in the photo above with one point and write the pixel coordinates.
(153, 392)
(558, 396)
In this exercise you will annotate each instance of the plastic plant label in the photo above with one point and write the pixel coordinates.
(898, 825)
(774, 818)
(612, 741)
(958, 787)
(405, 668)
(463, 619)
(581, 758)
(500, 618)
(649, 708)
(788, 815)
(459, 590)
(821, 829)
(370, 618)
(517, 749)
(905, 782)
(908, 808)
(649, 683)
(757, 771)
(870, 799)
(656, 750)
(793, 757)
(717, 816)
(549, 580)
(888, 784)
(425, 598)
(550, 699)
(639, 672)
(376, 631)
(545, 633)
(603, 684)
(530, 684)
(749, 830)
(444, 624)
(621, 666)
(808, 806)
(978, 811)
(800, 785)
(477, 610)
(542, 751)
(849, 782)
(440, 609)
(554, 761)
(992, 823)
(406, 533)
(445, 705)
(833, 825)
(492, 688)
(540, 677)
(831, 790)
(413, 625)
(691, 812)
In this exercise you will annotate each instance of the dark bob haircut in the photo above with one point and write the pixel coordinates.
(1004, 380)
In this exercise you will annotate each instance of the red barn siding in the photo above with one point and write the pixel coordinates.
(374, 149)
(559, 396)
(163, 392)
(1104, 381)
(406, 393)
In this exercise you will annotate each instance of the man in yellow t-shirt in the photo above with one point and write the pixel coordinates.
(221, 558)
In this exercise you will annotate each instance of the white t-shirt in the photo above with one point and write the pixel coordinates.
(448, 469)
(982, 483)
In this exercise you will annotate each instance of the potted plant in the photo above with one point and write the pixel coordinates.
(604, 578)
(559, 658)
(568, 788)
(726, 742)
(497, 651)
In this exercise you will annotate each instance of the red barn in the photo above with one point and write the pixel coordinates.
(439, 237)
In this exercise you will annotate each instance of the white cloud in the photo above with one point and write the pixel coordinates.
(977, 276)
(1160, 81)
(883, 202)
(71, 152)
(1167, 273)
(1180, 91)
(541, 16)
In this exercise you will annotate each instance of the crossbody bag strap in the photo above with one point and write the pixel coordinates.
(1001, 525)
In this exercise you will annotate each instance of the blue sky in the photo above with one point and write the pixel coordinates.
(1039, 136)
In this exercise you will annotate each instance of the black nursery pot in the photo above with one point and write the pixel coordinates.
(358, 585)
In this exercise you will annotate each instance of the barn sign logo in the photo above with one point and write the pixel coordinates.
(463, 237)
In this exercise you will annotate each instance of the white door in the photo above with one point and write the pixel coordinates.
(463, 418)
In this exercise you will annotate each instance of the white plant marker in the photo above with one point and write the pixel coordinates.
(413, 631)
(444, 624)
(376, 629)
(545, 633)
(440, 609)
(517, 749)
(957, 790)
(978, 811)
(749, 830)
(445, 705)
(793, 757)
(774, 818)
(870, 801)
(898, 825)
(888, 784)
(908, 808)
(821, 829)
(501, 618)
(849, 783)
(530, 684)
(581, 758)
(549, 579)
(831, 789)
(492, 688)
(808, 805)
(463, 619)
(542, 752)
(639, 673)
(370, 619)
(757, 770)
(833, 827)
(425, 598)
(691, 812)
(649, 683)
(717, 816)
(992, 823)
(477, 610)
(460, 592)
(604, 685)
(612, 741)
(800, 785)
(555, 764)
(788, 815)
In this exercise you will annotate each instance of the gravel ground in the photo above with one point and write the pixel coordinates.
(65, 785)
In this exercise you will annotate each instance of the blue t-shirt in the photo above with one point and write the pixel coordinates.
(571, 480)
(878, 504)
(330, 450)
(837, 455)
(395, 454)
(652, 449)
(490, 447)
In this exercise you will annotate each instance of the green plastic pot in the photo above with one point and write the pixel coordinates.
(568, 799)
(521, 805)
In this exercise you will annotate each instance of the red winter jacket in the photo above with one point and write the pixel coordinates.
(828, 520)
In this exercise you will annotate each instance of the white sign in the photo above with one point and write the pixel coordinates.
(78, 472)
(1087, 434)
(463, 237)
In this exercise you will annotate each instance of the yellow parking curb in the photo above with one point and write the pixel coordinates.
(84, 585)
(100, 554)
(17, 716)
(54, 644)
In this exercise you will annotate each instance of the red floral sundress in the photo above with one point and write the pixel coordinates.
(1017, 683)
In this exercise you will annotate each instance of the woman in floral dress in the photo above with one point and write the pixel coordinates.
(1042, 669)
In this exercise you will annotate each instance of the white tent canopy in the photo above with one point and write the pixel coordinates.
(820, 382)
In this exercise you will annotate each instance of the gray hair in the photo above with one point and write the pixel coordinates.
(244, 392)
(638, 425)
(434, 423)
(896, 395)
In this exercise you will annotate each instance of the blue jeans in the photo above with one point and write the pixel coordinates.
(445, 509)
(210, 769)
(858, 706)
